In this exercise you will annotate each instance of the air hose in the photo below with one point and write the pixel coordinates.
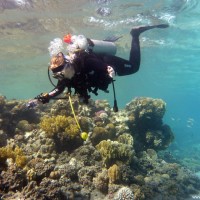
(83, 135)
(115, 107)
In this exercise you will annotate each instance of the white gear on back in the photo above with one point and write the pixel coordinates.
(78, 42)
(55, 46)
(73, 38)
(71, 48)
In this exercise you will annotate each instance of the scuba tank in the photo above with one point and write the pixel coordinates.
(106, 46)
(102, 47)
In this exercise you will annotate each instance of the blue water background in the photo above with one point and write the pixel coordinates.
(170, 65)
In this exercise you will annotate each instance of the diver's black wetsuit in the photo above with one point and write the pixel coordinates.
(91, 69)
(90, 75)
(126, 67)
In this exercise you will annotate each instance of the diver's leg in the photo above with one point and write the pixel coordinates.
(135, 56)
(126, 67)
(140, 29)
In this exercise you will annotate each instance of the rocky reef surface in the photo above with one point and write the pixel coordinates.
(42, 155)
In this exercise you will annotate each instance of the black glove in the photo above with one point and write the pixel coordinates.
(43, 98)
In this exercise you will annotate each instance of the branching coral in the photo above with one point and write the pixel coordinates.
(16, 154)
(112, 152)
(60, 124)
(62, 129)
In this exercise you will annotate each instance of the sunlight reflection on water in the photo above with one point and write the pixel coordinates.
(27, 27)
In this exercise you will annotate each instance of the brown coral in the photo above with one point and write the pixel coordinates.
(15, 154)
(113, 151)
(55, 124)
(102, 133)
(114, 174)
(62, 129)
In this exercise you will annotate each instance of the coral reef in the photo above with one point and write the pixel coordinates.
(24, 126)
(16, 154)
(12, 180)
(101, 181)
(113, 151)
(114, 174)
(62, 129)
(146, 124)
(60, 123)
(3, 137)
(126, 139)
(42, 155)
(102, 133)
(124, 193)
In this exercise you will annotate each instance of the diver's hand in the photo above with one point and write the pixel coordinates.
(43, 98)
(111, 71)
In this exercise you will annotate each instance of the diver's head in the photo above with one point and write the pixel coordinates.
(61, 68)
(57, 62)
(57, 65)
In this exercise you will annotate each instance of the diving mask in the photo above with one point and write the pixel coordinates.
(64, 71)
(58, 75)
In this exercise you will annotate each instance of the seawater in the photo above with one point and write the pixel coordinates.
(170, 65)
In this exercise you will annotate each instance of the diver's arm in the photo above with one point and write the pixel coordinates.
(57, 90)
(46, 97)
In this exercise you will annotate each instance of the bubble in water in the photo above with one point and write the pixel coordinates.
(55, 47)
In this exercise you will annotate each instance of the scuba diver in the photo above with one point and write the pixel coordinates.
(91, 65)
